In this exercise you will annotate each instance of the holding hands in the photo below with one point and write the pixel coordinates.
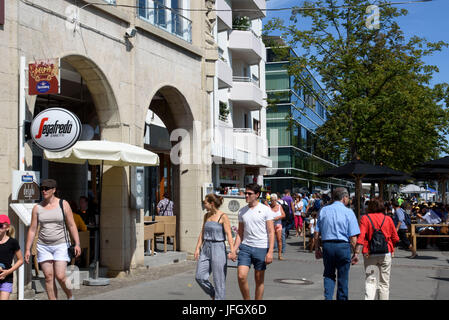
(232, 255)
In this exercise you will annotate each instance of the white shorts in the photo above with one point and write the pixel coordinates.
(56, 253)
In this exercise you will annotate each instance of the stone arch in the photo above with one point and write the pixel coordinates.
(102, 93)
(172, 107)
(174, 110)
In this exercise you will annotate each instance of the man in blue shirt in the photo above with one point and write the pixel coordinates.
(338, 229)
(402, 228)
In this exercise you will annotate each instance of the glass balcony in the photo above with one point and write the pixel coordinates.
(165, 18)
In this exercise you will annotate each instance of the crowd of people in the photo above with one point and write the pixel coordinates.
(336, 236)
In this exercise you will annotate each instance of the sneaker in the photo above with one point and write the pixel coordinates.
(71, 298)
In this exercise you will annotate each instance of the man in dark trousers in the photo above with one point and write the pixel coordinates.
(338, 229)
(402, 228)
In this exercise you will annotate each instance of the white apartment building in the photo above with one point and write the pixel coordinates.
(239, 146)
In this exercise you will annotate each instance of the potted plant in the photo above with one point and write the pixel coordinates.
(241, 23)
(224, 111)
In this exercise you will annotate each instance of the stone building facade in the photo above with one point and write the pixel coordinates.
(111, 78)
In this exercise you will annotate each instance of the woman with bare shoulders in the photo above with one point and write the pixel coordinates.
(211, 249)
(52, 244)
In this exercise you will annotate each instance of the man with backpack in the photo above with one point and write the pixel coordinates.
(317, 203)
(376, 241)
(289, 220)
(402, 221)
(285, 221)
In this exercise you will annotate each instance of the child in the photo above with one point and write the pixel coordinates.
(312, 225)
(8, 248)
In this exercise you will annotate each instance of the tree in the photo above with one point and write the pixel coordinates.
(384, 109)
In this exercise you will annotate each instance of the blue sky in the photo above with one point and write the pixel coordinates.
(427, 20)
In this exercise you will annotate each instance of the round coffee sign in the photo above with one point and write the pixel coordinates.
(234, 205)
(55, 129)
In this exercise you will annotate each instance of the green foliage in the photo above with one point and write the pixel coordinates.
(384, 109)
(241, 23)
(224, 110)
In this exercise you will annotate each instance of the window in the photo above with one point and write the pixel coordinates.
(167, 15)
(159, 13)
(176, 17)
(256, 126)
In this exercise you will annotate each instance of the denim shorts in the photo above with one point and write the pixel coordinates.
(252, 255)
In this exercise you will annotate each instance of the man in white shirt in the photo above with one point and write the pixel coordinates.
(255, 240)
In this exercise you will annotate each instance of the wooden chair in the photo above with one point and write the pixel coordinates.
(85, 245)
(166, 227)
(148, 234)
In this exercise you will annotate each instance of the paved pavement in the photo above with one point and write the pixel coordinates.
(423, 278)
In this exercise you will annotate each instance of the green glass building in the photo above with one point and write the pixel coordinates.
(293, 115)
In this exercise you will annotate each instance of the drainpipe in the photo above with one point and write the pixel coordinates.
(22, 106)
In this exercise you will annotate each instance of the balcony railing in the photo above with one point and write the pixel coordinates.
(165, 18)
(247, 130)
(253, 80)
(246, 28)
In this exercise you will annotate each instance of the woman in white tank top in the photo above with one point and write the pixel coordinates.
(278, 215)
(52, 243)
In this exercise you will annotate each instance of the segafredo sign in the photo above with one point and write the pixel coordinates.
(55, 129)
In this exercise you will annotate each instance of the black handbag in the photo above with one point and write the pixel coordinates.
(71, 248)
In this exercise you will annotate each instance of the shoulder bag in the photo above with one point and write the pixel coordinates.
(70, 247)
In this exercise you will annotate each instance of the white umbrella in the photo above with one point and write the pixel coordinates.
(412, 188)
(102, 152)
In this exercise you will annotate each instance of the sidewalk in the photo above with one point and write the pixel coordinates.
(423, 278)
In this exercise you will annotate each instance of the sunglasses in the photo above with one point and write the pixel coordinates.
(249, 193)
(45, 188)
(3, 225)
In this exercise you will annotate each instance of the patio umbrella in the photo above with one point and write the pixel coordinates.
(437, 163)
(358, 169)
(434, 173)
(389, 179)
(102, 152)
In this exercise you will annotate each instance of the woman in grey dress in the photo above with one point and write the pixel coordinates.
(211, 249)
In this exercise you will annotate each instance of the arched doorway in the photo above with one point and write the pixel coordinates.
(86, 92)
(169, 111)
